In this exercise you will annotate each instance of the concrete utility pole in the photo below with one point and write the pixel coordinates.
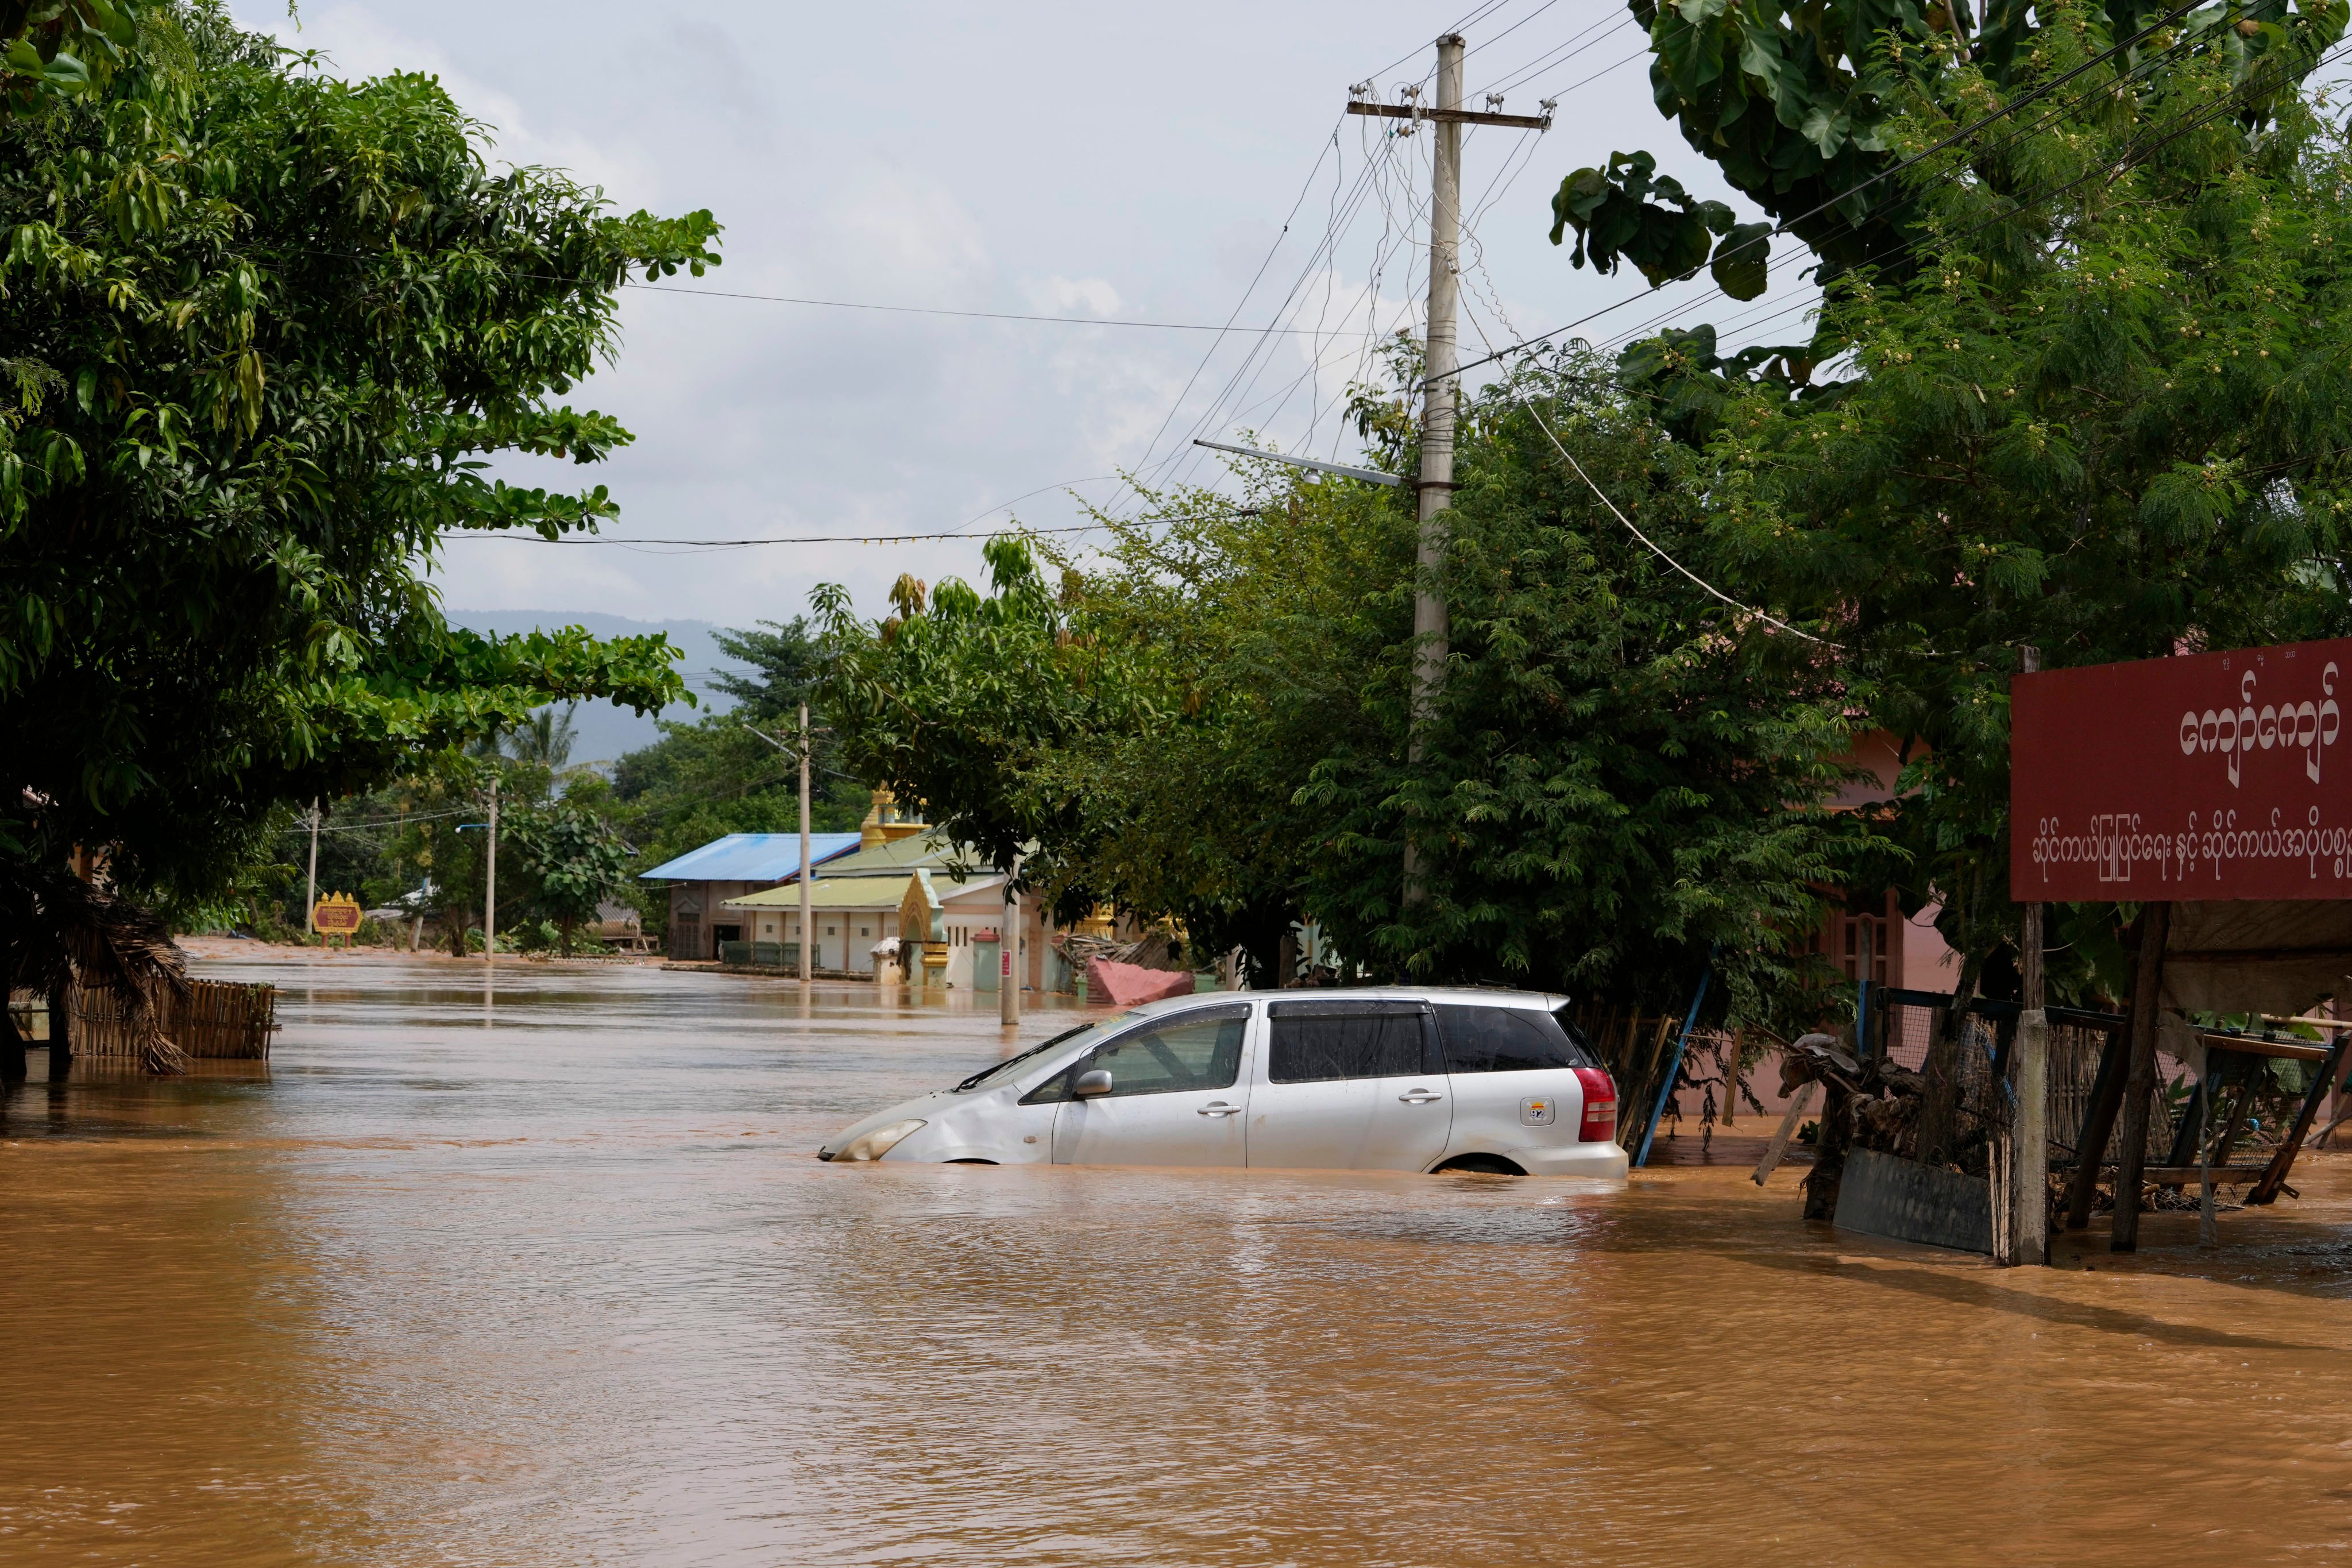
(1440, 367)
(1440, 364)
(310, 887)
(805, 868)
(490, 883)
(2029, 1226)
(1008, 953)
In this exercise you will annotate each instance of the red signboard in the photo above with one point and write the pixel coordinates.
(2214, 776)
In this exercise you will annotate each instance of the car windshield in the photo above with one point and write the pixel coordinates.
(988, 1078)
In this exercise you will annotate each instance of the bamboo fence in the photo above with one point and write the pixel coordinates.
(218, 1020)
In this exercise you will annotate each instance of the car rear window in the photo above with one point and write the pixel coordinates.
(1312, 1042)
(1506, 1039)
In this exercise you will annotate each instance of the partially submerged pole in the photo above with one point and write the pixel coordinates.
(806, 900)
(1008, 951)
(490, 883)
(2106, 1099)
(310, 885)
(2139, 1084)
(1674, 1067)
(2029, 1141)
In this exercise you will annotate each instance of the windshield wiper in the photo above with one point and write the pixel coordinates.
(976, 1080)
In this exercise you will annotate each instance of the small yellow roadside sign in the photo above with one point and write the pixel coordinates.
(337, 914)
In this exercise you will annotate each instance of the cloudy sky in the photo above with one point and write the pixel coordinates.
(1111, 163)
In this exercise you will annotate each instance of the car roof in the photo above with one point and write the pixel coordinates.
(1543, 1001)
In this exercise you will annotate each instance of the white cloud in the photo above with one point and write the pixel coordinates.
(1036, 157)
(1066, 295)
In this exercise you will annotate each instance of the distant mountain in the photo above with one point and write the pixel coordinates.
(606, 732)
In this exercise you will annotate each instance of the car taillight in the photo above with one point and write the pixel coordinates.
(1600, 1124)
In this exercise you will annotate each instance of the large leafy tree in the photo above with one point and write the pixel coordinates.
(2106, 414)
(956, 701)
(1209, 722)
(575, 859)
(1796, 104)
(263, 331)
(1619, 779)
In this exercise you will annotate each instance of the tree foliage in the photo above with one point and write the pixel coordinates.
(1794, 104)
(574, 858)
(2107, 415)
(1209, 720)
(955, 700)
(263, 331)
(1616, 780)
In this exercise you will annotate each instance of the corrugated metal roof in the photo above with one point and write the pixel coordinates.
(750, 858)
(831, 892)
(894, 859)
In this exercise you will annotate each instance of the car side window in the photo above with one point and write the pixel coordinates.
(1200, 1049)
(1506, 1039)
(1313, 1042)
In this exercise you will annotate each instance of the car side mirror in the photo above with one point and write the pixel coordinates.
(1091, 1085)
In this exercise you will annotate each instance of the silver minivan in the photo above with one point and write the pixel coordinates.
(1385, 1079)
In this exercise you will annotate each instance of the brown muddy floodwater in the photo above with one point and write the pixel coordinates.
(553, 1278)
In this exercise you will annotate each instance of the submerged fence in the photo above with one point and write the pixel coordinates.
(1638, 1050)
(218, 1020)
(1905, 1024)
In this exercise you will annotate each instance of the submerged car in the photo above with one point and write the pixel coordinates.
(1359, 1080)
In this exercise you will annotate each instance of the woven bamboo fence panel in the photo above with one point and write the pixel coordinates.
(218, 1020)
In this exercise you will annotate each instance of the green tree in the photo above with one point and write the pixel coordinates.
(1210, 722)
(787, 664)
(2107, 415)
(707, 779)
(264, 330)
(1619, 778)
(1797, 105)
(575, 858)
(958, 698)
(56, 49)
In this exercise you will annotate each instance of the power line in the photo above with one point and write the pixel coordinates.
(1243, 303)
(930, 311)
(741, 543)
(1655, 547)
(1017, 530)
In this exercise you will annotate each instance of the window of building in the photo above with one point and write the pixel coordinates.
(1848, 953)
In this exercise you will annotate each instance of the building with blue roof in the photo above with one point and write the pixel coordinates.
(702, 881)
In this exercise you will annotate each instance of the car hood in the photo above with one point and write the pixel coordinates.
(925, 1106)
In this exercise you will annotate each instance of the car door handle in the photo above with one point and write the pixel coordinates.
(1220, 1109)
(1420, 1097)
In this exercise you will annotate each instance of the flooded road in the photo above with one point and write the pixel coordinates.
(553, 1278)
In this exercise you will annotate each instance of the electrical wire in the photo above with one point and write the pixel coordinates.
(930, 310)
(1655, 547)
(1243, 303)
(1182, 460)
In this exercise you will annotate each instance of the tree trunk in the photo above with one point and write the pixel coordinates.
(61, 1032)
(1940, 1108)
(12, 1046)
(1830, 1148)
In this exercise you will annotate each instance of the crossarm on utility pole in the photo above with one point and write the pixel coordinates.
(1450, 116)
